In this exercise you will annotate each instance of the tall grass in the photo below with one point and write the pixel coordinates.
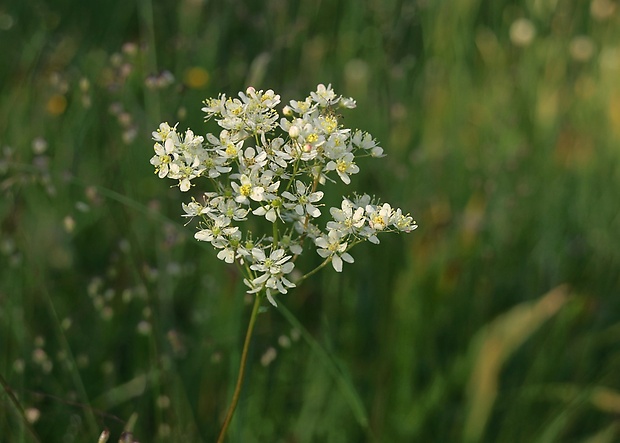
(501, 125)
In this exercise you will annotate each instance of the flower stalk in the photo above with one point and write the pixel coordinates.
(242, 365)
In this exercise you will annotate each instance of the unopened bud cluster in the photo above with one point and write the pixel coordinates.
(270, 167)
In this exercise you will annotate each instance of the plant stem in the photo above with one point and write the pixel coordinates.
(275, 235)
(242, 364)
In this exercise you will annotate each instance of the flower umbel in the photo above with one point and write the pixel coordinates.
(264, 173)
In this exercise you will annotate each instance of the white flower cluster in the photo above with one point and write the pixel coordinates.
(271, 167)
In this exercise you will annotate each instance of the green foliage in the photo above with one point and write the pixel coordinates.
(501, 125)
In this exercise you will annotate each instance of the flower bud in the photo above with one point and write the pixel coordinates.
(293, 131)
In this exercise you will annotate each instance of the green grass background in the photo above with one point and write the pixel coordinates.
(505, 150)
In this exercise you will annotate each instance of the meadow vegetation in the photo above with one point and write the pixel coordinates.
(497, 320)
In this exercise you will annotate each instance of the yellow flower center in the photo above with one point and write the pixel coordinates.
(231, 150)
(342, 166)
(245, 190)
(330, 124)
(378, 222)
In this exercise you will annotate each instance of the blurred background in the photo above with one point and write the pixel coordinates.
(497, 320)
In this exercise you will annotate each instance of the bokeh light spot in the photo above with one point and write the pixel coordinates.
(57, 104)
(196, 77)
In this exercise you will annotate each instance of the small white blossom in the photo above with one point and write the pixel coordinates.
(271, 211)
(164, 155)
(348, 219)
(336, 146)
(379, 216)
(214, 165)
(302, 201)
(230, 150)
(404, 223)
(231, 209)
(231, 248)
(273, 270)
(247, 189)
(214, 106)
(302, 107)
(288, 243)
(164, 132)
(193, 209)
(250, 161)
(364, 140)
(348, 102)
(332, 246)
(343, 167)
(324, 95)
(217, 228)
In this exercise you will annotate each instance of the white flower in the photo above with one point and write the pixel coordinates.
(287, 242)
(361, 200)
(165, 132)
(324, 96)
(231, 209)
(223, 141)
(181, 156)
(212, 164)
(250, 161)
(348, 102)
(347, 220)
(379, 216)
(214, 106)
(260, 99)
(258, 112)
(294, 131)
(302, 201)
(327, 123)
(191, 141)
(278, 154)
(304, 227)
(271, 187)
(217, 228)
(230, 150)
(273, 269)
(248, 189)
(230, 246)
(343, 166)
(271, 211)
(164, 155)
(336, 146)
(261, 122)
(364, 140)
(185, 173)
(332, 246)
(309, 139)
(302, 107)
(404, 223)
(193, 209)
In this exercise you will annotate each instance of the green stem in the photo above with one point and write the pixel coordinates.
(275, 235)
(315, 270)
(325, 262)
(242, 364)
